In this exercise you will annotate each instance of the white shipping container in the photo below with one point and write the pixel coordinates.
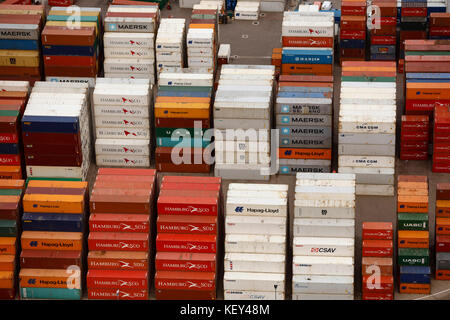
(320, 296)
(260, 243)
(367, 127)
(125, 98)
(256, 207)
(375, 149)
(55, 172)
(336, 266)
(124, 53)
(260, 172)
(111, 160)
(234, 146)
(253, 295)
(321, 284)
(119, 133)
(367, 161)
(375, 189)
(122, 146)
(129, 66)
(242, 124)
(314, 246)
(254, 281)
(366, 138)
(105, 110)
(255, 225)
(133, 40)
(258, 187)
(256, 194)
(185, 79)
(234, 110)
(333, 228)
(323, 212)
(121, 122)
(247, 262)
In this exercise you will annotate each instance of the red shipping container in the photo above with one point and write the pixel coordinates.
(49, 259)
(377, 231)
(117, 294)
(121, 178)
(198, 243)
(176, 261)
(415, 136)
(440, 167)
(413, 155)
(439, 31)
(8, 294)
(353, 34)
(168, 294)
(187, 224)
(10, 160)
(99, 222)
(185, 193)
(377, 248)
(385, 285)
(442, 274)
(353, 23)
(413, 12)
(320, 42)
(114, 279)
(9, 138)
(443, 191)
(191, 179)
(118, 260)
(383, 40)
(192, 186)
(377, 296)
(195, 281)
(443, 243)
(80, 61)
(188, 205)
(126, 172)
(109, 241)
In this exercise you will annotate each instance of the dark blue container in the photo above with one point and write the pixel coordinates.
(50, 124)
(58, 222)
(9, 148)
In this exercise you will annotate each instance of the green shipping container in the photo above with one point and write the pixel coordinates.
(8, 228)
(413, 221)
(186, 89)
(10, 192)
(370, 79)
(413, 257)
(50, 293)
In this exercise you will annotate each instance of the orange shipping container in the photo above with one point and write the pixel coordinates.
(405, 191)
(443, 226)
(7, 262)
(417, 204)
(413, 239)
(426, 91)
(41, 240)
(442, 274)
(6, 279)
(57, 184)
(295, 153)
(415, 288)
(11, 184)
(50, 278)
(53, 203)
(7, 245)
(443, 208)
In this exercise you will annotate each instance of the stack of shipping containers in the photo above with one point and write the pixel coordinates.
(324, 220)
(242, 122)
(71, 48)
(122, 122)
(442, 243)
(119, 242)
(182, 114)
(439, 28)
(170, 45)
(383, 31)
(413, 235)
(414, 139)
(247, 10)
(189, 215)
(256, 221)
(304, 102)
(413, 22)
(367, 125)
(308, 43)
(304, 113)
(353, 35)
(377, 244)
(20, 42)
(202, 41)
(10, 209)
(52, 241)
(378, 263)
(56, 131)
(13, 97)
(129, 42)
(441, 138)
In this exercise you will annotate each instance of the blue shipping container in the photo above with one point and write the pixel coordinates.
(57, 222)
(50, 124)
(9, 44)
(9, 148)
(50, 293)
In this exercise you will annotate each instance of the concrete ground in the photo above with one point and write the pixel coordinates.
(252, 44)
